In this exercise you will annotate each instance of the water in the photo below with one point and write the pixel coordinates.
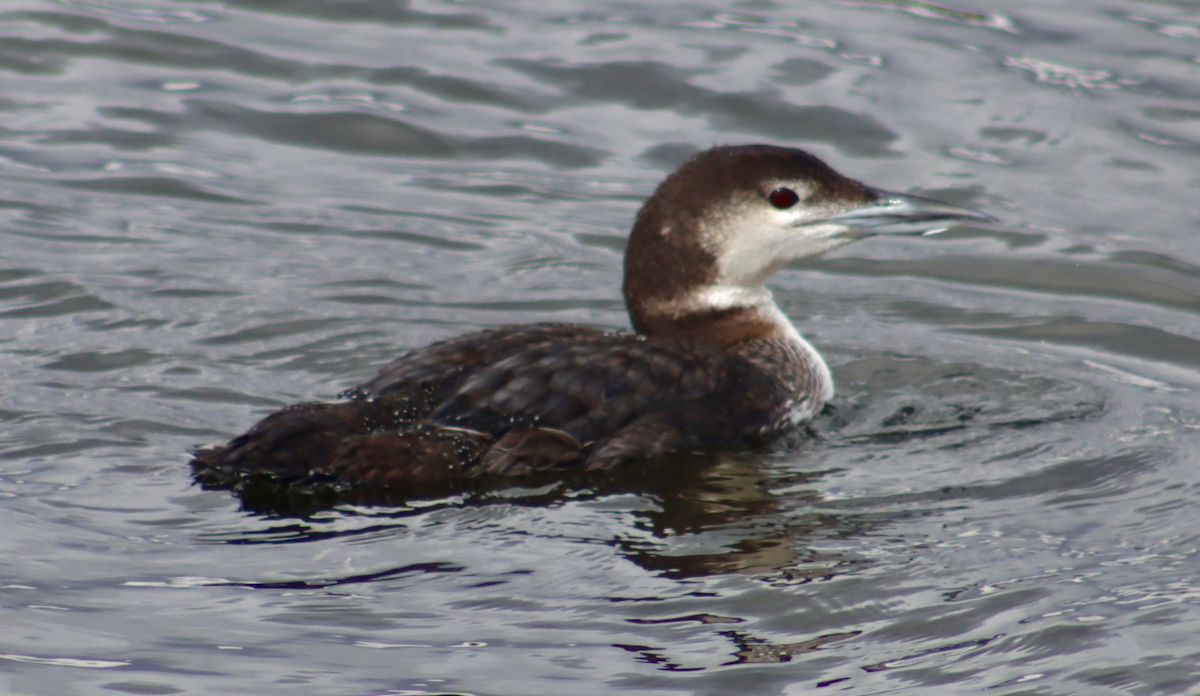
(213, 209)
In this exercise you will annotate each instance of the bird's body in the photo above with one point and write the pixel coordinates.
(713, 362)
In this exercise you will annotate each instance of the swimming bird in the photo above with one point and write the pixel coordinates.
(711, 363)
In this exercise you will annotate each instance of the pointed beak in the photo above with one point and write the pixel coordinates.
(901, 213)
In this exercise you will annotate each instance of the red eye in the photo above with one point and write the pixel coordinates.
(783, 198)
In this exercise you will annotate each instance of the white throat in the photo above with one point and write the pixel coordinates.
(759, 300)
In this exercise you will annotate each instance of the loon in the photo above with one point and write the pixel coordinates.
(712, 362)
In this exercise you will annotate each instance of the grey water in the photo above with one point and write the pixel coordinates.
(214, 208)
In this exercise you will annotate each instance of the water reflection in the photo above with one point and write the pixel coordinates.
(732, 496)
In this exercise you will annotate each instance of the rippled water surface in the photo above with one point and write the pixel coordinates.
(213, 209)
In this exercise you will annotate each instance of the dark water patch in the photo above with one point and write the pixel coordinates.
(889, 400)
(268, 332)
(1054, 639)
(382, 575)
(14, 416)
(1167, 113)
(904, 435)
(1136, 283)
(779, 558)
(124, 45)
(668, 156)
(1074, 480)
(382, 283)
(364, 300)
(978, 433)
(1024, 453)
(1119, 338)
(37, 292)
(169, 522)
(971, 196)
(1133, 165)
(207, 395)
(336, 354)
(955, 651)
(370, 11)
(1012, 239)
(602, 241)
(543, 263)
(122, 324)
(1162, 138)
(138, 469)
(7, 275)
(800, 72)
(937, 11)
(1135, 340)
(156, 186)
(437, 217)
(464, 90)
(163, 119)
(391, 235)
(723, 54)
(524, 147)
(68, 238)
(143, 429)
(304, 529)
(193, 293)
(509, 191)
(113, 137)
(448, 87)
(751, 649)
(747, 649)
(1155, 260)
(15, 58)
(649, 85)
(651, 655)
(51, 449)
(349, 131)
(958, 319)
(35, 211)
(1009, 135)
(95, 361)
(1069, 483)
(65, 505)
(71, 305)
(142, 687)
(699, 618)
(1161, 673)
(374, 135)
(601, 38)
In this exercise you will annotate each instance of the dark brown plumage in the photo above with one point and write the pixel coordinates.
(514, 400)
(713, 365)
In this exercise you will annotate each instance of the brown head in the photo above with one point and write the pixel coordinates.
(723, 223)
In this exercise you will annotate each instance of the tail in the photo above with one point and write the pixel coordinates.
(296, 443)
(375, 442)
